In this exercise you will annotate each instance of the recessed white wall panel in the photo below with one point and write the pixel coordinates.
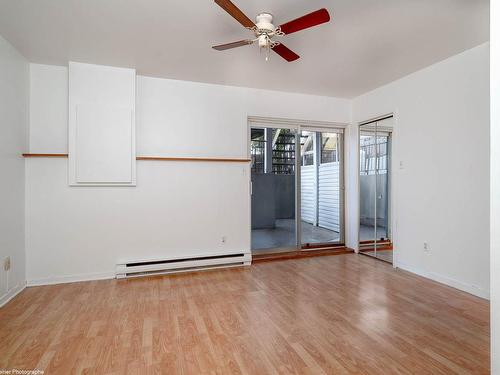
(104, 137)
(101, 125)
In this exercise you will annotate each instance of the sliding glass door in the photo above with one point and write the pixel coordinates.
(297, 188)
(374, 181)
(321, 188)
(273, 188)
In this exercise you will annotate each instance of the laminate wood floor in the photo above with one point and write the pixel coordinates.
(326, 315)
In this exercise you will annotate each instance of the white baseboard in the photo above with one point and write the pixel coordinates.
(71, 278)
(12, 293)
(469, 288)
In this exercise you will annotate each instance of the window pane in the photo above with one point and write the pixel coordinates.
(307, 148)
(257, 149)
(283, 151)
(329, 143)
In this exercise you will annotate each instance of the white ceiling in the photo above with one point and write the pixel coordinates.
(367, 44)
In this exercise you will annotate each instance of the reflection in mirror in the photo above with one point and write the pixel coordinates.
(374, 180)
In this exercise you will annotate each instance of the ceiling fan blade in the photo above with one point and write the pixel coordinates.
(240, 43)
(309, 20)
(285, 52)
(235, 12)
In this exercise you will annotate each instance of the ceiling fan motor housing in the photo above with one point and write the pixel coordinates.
(264, 23)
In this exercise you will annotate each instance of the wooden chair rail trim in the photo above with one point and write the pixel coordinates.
(45, 155)
(227, 160)
(160, 158)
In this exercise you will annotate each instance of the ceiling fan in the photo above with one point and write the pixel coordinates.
(265, 31)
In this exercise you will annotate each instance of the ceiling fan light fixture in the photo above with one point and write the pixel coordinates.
(263, 40)
(268, 49)
(265, 45)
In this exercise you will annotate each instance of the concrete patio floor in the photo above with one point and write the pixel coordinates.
(283, 235)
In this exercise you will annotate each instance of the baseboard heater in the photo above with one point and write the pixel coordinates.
(150, 267)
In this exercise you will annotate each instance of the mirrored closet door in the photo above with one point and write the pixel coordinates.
(374, 189)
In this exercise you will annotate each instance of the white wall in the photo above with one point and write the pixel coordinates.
(14, 86)
(177, 208)
(48, 124)
(441, 195)
(495, 186)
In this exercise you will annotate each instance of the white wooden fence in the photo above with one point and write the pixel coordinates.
(320, 197)
(308, 192)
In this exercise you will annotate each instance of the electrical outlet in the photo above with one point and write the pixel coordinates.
(427, 248)
(6, 264)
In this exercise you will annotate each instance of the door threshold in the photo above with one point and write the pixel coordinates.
(297, 254)
(322, 246)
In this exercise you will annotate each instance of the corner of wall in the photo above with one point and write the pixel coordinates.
(14, 106)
